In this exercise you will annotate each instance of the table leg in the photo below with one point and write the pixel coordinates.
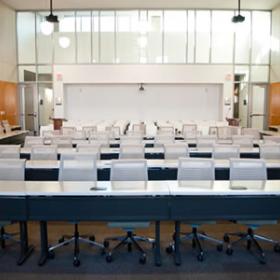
(157, 244)
(44, 243)
(177, 243)
(25, 249)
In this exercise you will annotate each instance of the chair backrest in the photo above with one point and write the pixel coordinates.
(78, 170)
(44, 152)
(247, 169)
(68, 130)
(206, 141)
(160, 140)
(226, 151)
(114, 131)
(33, 140)
(243, 140)
(131, 140)
(189, 128)
(90, 148)
(100, 138)
(81, 155)
(132, 151)
(141, 127)
(213, 130)
(176, 150)
(89, 130)
(9, 151)
(251, 131)
(270, 151)
(62, 142)
(271, 139)
(12, 169)
(196, 169)
(224, 132)
(166, 129)
(129, 170)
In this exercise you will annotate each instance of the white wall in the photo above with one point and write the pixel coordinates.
(275, 55)
(147, 74)
(8, 54)
(156, 102)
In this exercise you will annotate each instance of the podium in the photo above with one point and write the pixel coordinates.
(57, 123)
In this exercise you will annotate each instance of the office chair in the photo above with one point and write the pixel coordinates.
(10, 151)
(44, 152)
(206, 141)
(175, 151)
(270, 151)
(30, 141)
(162, 139)
(251, 131)
(194, 169)
(250, 169)
(271, 139)
(77, 170)
(166, 130)
(68, 131)
(90, 148)
(213, 130)
(128, 170)
(62, 142)
(132, 151)
(224, 132)
(141, 128)
(245, 141)
(131, 140)
(10, 170)
(226, 151)
(102, 138)
(89, 131)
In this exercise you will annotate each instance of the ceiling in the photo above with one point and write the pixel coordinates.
(128, 4)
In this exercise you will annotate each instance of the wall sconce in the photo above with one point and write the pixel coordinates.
(141, 87)
(58, 101)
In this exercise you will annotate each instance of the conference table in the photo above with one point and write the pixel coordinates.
(158, 169)
(136, 201)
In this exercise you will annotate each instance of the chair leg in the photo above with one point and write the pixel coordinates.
(2, 238)
(76, 261)
(200, 256)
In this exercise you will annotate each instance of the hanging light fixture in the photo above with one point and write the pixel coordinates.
(47, 26)
(239, 18)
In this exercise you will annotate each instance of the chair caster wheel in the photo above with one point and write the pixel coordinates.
(169, 249)
(226, 238)
(229, 251)
(220, 248)
(51, 254)
(92, 238)
(76, 262)
(106, 244)
(276, 248)
(109, 258)
(129, 247)
(200, 257)
(143, 259)
(61, 240)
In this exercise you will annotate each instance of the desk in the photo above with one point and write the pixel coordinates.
(13, 137)
(114, 201)
(218, 201)
(13, 207)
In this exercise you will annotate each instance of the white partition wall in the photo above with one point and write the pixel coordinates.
(156, 102)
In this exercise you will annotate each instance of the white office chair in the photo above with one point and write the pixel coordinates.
(213, 130)
(176, 150)
(114, 131)
(161, 140)
(132, 151)
(250, 169)
(224, 132)
(90, 148)
(244, 141)
(141, 128)
(10, 170)
(226, 151)
(77, 170)
(44, 152)
(131, 140)
(271, 139)
(102, 138)
(166, 130)
(10, 151)
(206, 141)
(251, 131)
(62, 142)
(89, 131)
(33, 140)
(270, 151)
(189, 129)
(68, 131)
(193, 169)
(81, 155)
(128, 170)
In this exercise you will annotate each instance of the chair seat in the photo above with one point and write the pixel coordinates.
(129, 225)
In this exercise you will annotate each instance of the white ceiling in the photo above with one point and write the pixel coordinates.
(127, 4)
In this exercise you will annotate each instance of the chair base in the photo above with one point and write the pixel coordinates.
(76, 239)
(4, 236)
(129, 239)
(252, 241)
(196, 237)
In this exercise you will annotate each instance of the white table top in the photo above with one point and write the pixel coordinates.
(270, 187)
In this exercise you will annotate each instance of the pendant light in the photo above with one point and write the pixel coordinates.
(239, 18)
(47, 26)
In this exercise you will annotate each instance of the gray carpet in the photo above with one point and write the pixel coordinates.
(241, 265)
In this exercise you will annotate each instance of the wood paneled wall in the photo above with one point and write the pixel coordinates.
(9, 102)
(274, 104)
